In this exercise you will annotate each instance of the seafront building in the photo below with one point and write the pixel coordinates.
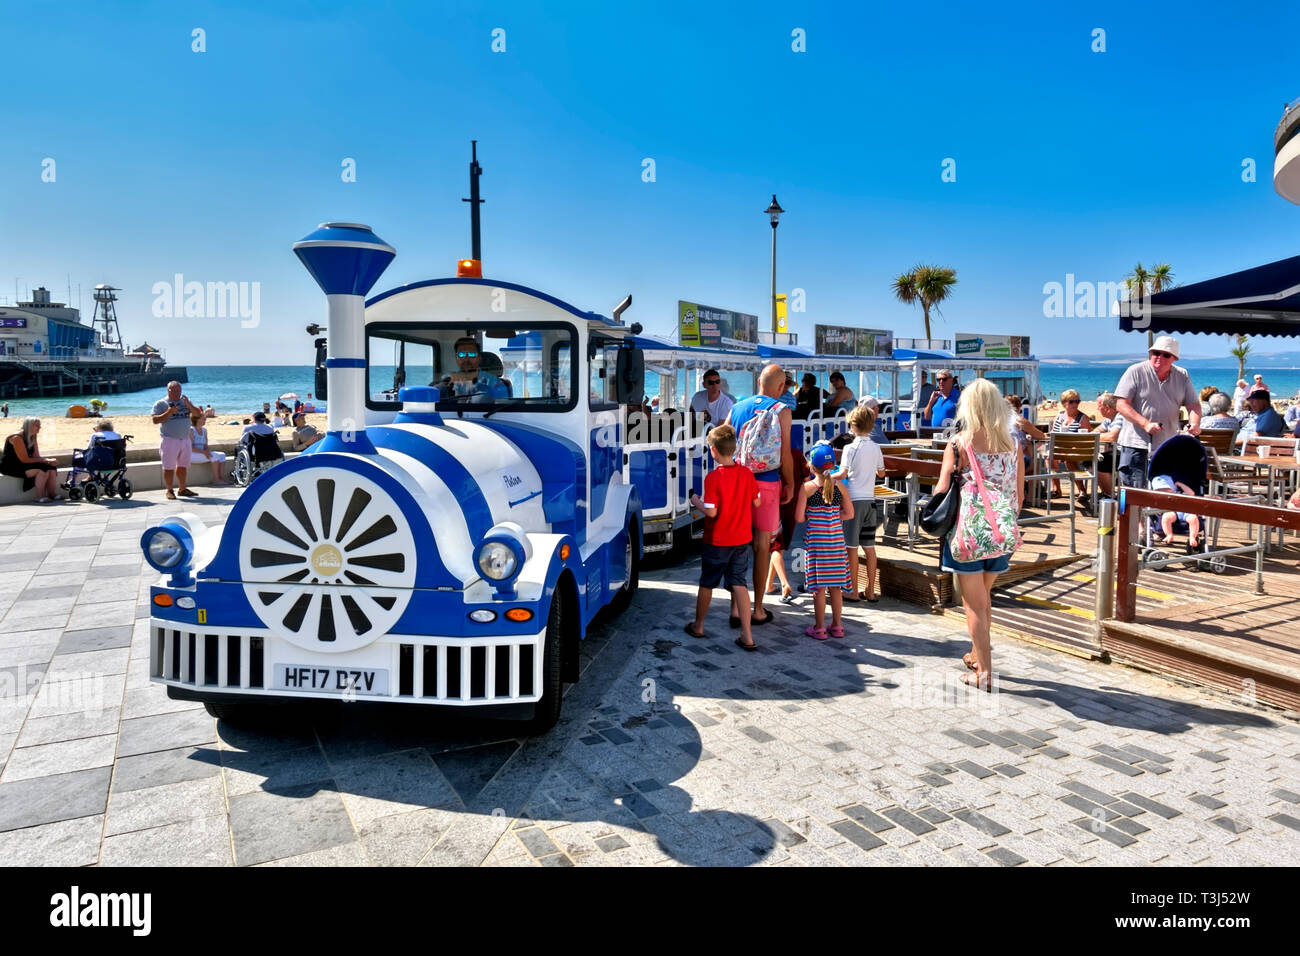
(1286, 149)
(45, 349)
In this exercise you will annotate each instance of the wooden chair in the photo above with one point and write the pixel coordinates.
(1079, 450)
(1220, 439)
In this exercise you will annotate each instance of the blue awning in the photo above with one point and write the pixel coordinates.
(1264, 300)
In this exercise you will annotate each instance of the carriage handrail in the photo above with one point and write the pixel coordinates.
(1133, 500)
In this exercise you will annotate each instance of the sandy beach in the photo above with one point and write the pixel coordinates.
(66, 434)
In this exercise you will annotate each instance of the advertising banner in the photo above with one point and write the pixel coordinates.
(710, 328)
(849, 340)
(969, 345)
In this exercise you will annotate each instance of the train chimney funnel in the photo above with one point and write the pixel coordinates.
(346, 260)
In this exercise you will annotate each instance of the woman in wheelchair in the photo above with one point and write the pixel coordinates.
(100, 467)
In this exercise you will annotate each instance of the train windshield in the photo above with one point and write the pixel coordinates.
(475, 368)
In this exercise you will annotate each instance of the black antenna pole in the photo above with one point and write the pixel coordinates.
(475, 171)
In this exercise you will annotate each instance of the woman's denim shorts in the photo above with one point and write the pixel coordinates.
(987, 566)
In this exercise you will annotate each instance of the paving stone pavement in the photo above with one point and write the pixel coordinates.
(671, 750)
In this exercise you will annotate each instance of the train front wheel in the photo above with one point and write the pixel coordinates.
(547, 711)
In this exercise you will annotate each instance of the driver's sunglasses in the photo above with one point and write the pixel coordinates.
(1162, 354)
(713, 381)
(466, 355)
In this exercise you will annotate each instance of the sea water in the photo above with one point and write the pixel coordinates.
(232, 390)
(237, 391)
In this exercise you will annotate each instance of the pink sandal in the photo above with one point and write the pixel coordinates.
(816, 633)
(836, 630)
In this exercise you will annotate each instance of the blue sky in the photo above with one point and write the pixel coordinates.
(1068, 161)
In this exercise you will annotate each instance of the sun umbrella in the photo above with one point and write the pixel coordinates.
(289, 397)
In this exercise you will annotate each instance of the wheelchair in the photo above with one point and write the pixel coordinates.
(256, 454)
(104, 465)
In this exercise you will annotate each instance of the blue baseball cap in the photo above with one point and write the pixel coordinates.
(822, 454)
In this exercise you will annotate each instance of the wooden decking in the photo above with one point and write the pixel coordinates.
(1211, 629)
(914, 575)
(1217, 631)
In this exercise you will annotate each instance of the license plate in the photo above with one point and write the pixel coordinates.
(332, 680)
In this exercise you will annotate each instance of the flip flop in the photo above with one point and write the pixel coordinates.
(745, 647)
(755, 622)
(687, 629)
(788, 598)
(969, 660)
(816, 633)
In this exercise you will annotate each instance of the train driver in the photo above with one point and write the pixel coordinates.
(470, 380)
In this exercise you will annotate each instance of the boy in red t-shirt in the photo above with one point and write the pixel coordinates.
(730, 494)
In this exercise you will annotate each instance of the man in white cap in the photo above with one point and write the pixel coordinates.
(1148, 397)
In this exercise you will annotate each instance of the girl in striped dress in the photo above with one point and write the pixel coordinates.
(825, 505)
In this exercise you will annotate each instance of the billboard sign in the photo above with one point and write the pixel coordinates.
(849, 340)
(706, 327)
(968, 345)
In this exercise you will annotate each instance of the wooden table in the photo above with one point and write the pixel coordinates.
(1276, 466)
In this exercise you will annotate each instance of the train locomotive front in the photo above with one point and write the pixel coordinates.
(446, 543)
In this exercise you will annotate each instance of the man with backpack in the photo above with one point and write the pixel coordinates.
(762, 424)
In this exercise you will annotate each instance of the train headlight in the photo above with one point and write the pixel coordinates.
(502, 555)
(164, 550)
(497, 561)
(169, 547)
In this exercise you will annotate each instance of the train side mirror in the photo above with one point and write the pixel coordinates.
(630, 380)
(322, 378)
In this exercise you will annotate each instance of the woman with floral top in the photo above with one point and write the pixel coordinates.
(986, 523)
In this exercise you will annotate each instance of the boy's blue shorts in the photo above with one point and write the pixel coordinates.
(727, 565)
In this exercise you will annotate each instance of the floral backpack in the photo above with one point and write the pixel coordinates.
(758, 447)
(987, 525)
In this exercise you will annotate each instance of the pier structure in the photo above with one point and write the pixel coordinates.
(46, 350)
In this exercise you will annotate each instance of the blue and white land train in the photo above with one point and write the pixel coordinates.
(454, 534)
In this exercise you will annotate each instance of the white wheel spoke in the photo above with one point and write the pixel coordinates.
(393, 587)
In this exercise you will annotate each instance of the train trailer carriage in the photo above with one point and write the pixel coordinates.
(451, 538)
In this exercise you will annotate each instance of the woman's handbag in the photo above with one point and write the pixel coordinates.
(939, 513)
(987, 525)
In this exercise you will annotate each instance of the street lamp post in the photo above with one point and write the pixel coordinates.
(774, 213)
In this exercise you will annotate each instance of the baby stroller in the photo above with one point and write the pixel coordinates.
(104, 462)
(256, 454)
(1183, 459)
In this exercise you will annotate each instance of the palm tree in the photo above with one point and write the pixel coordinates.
(1161, 278)
(1239, 352)
(928, 285)
(1138, 282)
